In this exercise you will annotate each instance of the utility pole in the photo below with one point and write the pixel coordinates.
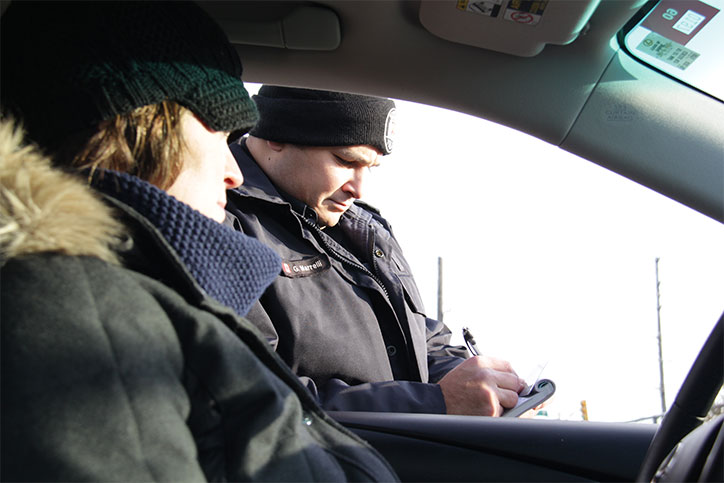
(439, 289)
(661, 357)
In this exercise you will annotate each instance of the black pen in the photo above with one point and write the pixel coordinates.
(470, 342)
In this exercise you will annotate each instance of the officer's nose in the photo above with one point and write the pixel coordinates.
(354, 186)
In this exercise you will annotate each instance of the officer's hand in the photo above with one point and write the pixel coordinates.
(481, 386)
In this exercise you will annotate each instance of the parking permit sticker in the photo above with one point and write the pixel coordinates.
(690, 21)
(489, 8)
(667, 51)
(679, 20)
(526, 12)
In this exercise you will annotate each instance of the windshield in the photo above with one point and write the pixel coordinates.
(681, 38)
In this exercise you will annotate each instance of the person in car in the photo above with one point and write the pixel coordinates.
(123, 354)
(345, 313)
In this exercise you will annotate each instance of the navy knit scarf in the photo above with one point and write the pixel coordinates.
(230, 266)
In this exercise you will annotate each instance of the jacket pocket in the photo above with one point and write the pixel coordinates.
(412, 294)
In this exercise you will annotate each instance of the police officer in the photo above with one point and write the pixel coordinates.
(345, 312)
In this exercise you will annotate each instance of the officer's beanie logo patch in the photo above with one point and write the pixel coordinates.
(390, 125)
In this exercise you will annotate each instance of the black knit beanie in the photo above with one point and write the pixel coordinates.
(66, 66)
(322, 118)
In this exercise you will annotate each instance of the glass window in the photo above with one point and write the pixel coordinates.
(550, 260)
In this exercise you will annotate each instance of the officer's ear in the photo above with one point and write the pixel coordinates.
(275, 146)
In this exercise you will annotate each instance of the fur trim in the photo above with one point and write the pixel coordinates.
(43, 209)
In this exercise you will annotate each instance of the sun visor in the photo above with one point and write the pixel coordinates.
(285, 25)
(517, 27)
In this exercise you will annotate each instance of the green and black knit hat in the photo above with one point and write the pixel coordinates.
(66, 66)
(324, 118)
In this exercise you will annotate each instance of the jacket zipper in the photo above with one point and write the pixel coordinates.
(343, 259)
(320, 236)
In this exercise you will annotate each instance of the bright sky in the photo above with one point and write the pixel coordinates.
(550, 258)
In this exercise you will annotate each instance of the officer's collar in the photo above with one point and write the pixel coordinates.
(308, 212)
(256, 183)
(299, 207)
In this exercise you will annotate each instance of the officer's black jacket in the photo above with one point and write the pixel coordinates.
(352, 326)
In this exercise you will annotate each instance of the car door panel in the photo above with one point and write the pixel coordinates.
(427, 447)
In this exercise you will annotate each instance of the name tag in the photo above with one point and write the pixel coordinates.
(305, 267)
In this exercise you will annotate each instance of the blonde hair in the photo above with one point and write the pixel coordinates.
(147, 143)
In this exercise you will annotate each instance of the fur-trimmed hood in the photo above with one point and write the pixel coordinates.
(43, 209)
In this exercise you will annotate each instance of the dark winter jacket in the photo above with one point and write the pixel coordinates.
(118, 366)
(345, 313)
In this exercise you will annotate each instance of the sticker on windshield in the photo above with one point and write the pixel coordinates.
(526, 12)
(489, 8)
(679, 20)
(676, 55)
(690, 21)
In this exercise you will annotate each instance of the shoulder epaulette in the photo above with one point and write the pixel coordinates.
(367, 207)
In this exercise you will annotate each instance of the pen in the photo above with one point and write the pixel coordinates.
(470, 342)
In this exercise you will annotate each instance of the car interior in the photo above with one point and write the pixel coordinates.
(626, 84)
(634, 86)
